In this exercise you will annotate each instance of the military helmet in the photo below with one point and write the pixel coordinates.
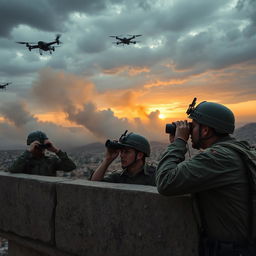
(214, 115)
(37, 135)
(135, 141)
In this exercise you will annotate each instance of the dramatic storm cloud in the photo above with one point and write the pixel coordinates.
(89, 87)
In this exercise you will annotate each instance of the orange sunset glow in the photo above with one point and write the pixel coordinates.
(169, 112)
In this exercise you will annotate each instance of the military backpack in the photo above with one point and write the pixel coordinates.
(249, 158)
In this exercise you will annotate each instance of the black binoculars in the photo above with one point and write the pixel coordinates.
(116, 144)
(171, 128)
(44, 146)
(113, 144)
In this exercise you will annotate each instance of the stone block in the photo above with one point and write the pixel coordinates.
(28, 205)
(98, 218)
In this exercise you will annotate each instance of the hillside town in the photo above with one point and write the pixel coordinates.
(86, 158)
(3, 247)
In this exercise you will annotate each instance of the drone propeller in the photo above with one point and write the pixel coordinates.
(5, 84)
(21, 42)
(117, 36)
(135, 35)
(57, 39)
(25, 42)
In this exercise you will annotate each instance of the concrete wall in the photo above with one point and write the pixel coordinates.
(55, 216)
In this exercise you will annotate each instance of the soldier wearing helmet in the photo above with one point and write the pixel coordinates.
(133, 149)
(217, 177)
(34, 160)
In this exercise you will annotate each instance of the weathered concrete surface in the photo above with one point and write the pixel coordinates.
(58, 217)
(16, 249)
(28, 205)
(96, 219)
(20, 246)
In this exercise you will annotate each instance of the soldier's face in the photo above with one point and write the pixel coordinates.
(127, 156)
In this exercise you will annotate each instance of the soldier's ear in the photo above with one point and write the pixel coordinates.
(205, 131)
(140, 155)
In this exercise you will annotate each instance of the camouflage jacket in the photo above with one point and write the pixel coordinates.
(145, 177)
(218, 179)
(47, 165)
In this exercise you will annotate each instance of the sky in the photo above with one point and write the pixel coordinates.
(91, 89)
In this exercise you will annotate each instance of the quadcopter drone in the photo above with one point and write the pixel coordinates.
(125, 40)
(43, 46)
(3, 86)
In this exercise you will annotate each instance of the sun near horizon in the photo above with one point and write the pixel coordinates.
(244, 113)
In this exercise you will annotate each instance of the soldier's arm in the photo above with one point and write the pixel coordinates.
(110, 156)
(64, 163)
(204, 171)
(99, 173)
(19, 165)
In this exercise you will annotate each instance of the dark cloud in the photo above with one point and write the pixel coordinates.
(82, 6)
(57, 90)
(16, 113)
(101, 123)
(19, 122)
(48, 15)
(12, 137)
(78, 100)
(185, 15)
(14, 13)
(92, 43)
(177, 31)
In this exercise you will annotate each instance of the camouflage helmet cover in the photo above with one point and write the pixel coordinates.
(36, 135)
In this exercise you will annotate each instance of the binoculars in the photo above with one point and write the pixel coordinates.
(44, 146)
(113, 144)
(171, 128)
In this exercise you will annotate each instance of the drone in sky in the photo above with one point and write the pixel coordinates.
(3, 86)
(125, 40)
(43, 46)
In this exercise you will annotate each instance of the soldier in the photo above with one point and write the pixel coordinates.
(133, 149)
(217, 177)
(34, 160)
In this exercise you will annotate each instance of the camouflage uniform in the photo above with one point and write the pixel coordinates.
(219, 180)
(144, 177)
(46, 165)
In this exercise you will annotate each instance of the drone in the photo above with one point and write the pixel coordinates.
(125, 40)
(3, 86)
(43, 46)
